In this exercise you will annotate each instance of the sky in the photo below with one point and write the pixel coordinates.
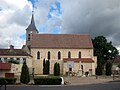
(94, 17)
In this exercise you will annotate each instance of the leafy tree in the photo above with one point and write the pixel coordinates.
(56, 69)
(25, 77)
(104, 51)
(44, 67)
(108, 68)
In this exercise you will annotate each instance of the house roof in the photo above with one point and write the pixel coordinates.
(73, 41)
(5, 66)
(13, 52)
(83, 60)
(117, 59)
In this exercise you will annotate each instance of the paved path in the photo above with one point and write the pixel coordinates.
(87, 80)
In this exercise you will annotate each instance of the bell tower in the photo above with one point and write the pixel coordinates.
(31, 29)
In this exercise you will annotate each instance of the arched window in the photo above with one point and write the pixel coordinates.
(49, 55)
(82, 67)
(79, 55)
(69, 54)
(38, 55)
(59, 55)
(28, 37)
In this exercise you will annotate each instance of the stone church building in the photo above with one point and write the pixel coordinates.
(74, 52)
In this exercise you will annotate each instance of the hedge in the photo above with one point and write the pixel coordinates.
(47, 81)
(7, 80)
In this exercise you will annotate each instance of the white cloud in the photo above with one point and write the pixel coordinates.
(14, 19)
(41, 15)
(15, 16)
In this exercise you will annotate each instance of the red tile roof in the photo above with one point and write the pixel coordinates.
(13, 52)
(5, 66)
(74, 41)
(83, 60)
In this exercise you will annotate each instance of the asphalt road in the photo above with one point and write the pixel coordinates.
(103, 86)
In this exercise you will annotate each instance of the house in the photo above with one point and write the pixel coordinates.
(16, 55)
(116, 65)
(4, 68)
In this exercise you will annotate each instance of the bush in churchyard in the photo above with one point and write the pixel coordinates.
(44, 72)
(25, 77)
(56, 69)
(108, 68)
(99, 69)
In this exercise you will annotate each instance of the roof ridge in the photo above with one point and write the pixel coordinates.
(63, 34)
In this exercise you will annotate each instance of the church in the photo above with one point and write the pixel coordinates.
(74, 52)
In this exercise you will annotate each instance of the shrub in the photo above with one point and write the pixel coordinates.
(99, 69)
(48, 81)
(10, 80)
(108, 68)
(46, 67)
(44, 72)
(56, 69)
(7, 81)
(2, 81)
(13, 61)
(25, 77)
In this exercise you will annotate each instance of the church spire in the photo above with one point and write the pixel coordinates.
(32, 26)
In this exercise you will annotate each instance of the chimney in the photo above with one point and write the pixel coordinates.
(11, 47)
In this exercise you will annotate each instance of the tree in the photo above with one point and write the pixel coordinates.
(104, 51)
(47, 66)
(44, 67)
(56, 69)
(108, 68)
(25, 77)
(99, 69)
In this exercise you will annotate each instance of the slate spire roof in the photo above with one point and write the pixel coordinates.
(32, 26)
